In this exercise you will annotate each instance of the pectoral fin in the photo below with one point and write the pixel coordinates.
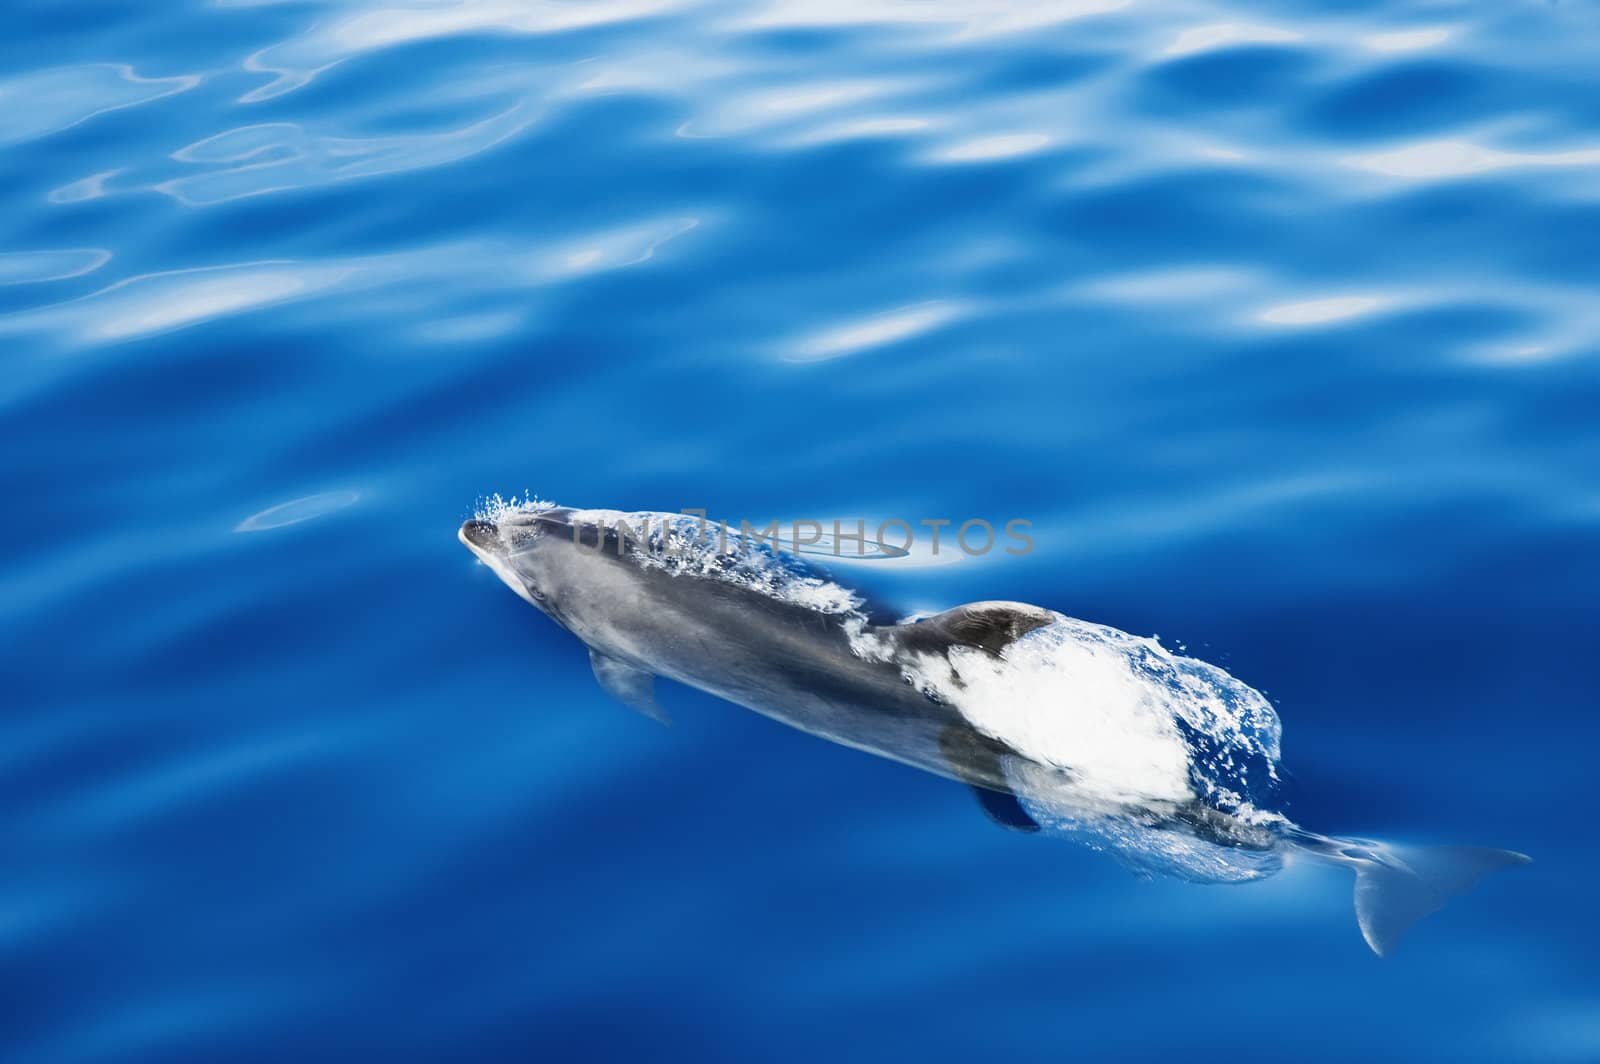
(1005, 810)
(631, 686)
(973, 757)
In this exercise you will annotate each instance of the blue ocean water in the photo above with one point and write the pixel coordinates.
(1278, 322)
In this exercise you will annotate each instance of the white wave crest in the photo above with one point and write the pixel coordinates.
(1129, 722)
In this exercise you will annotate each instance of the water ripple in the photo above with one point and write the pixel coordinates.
(1322, 311)
(293, 512)
(875, 331)
(1198, 39)
(36, 267)
(298, 61)
(1277, 324)
(44, 102)
(155, 303)
(285, 157)
(1442, 159)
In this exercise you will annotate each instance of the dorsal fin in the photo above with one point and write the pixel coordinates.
(988, 626)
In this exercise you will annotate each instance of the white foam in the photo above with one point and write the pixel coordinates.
(1147, 841)
(1128, 721)
(494, 507)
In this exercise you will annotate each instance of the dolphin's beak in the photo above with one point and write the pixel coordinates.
(482, 538)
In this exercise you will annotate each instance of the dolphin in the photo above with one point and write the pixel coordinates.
(1055, 724)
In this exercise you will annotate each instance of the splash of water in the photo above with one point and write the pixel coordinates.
(1128, 721)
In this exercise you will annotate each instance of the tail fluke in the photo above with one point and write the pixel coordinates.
(1398, 885)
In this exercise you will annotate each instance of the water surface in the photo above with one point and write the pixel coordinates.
(1277, 323)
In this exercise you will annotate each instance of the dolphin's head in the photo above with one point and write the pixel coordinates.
(525, 549)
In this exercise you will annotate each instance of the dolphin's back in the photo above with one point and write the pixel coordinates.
(786, 660)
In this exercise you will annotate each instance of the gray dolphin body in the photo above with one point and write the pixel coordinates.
(787, 661)
(759, 634)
